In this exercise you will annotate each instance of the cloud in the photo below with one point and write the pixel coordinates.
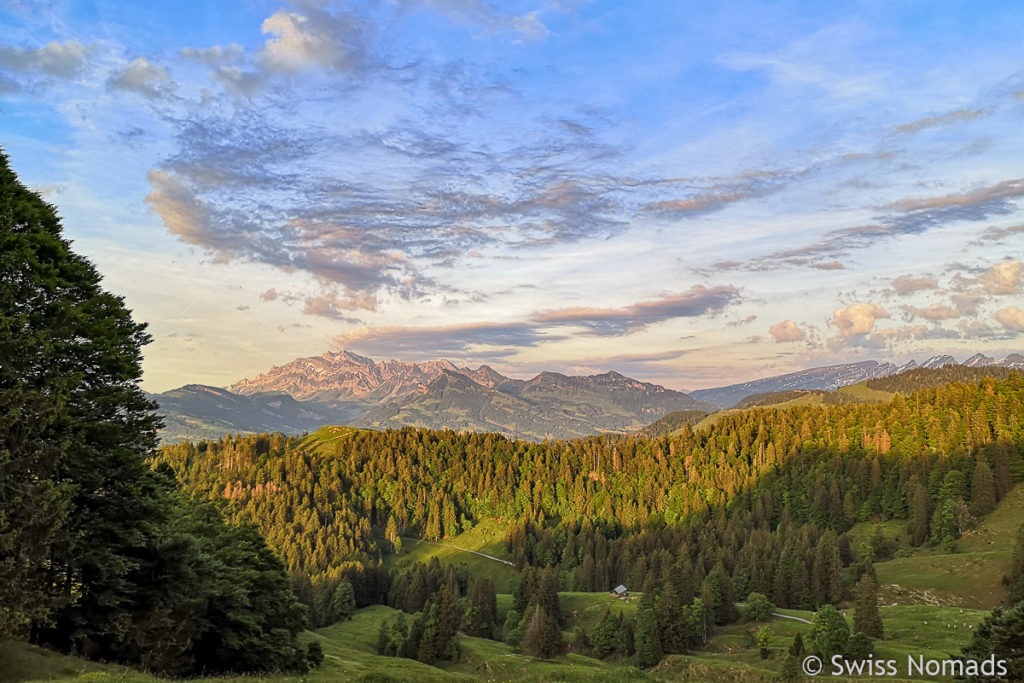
(144, 78)
(1003, 278)
(999, 234)
(499, 339)
(1006, 189)
(973, 329)
(181, 211)
(608, 321)
(61, 60)
(527, 26)
(746, 321)
(331, 303)
(213, 56)
(908, 216)
(316, 38)
(933, 312)
(858, 319)
(967, 302)
(831, 265)
(714, 194)
(1012, 318)
(907, 284)
(238, 81)
(269, 295)
(956, 116)
(787, 331)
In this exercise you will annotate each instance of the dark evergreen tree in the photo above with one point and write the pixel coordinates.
(98, 550)
(791, 667)
(983, 489)
(383, 638)
(605, 639)
(648, 644)
(866, 617)
(1001, 634)
(511, 633)
(542, 637)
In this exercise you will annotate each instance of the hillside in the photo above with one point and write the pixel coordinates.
(832, 377)
(548, 406)
(196, 411)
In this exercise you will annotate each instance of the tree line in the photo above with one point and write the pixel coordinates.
(102, 555)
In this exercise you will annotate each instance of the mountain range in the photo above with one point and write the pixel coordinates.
(346, 388)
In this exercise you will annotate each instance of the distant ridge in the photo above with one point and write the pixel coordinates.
(832, 377)
(346, 388)
(349, 389)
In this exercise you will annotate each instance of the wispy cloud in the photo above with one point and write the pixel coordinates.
(526, 26)
(955, 116)
(614, 321)
(460, 340)
(215, 55)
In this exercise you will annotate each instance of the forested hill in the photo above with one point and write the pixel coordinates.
(776, 483)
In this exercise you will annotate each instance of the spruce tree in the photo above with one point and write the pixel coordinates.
(983, 489)
(791, 667)
(866, 617)
(648, 644)
(383, 637)
(1002, 634)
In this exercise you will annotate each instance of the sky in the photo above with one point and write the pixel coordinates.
(693, 194)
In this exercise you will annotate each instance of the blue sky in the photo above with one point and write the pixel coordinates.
(689, 193)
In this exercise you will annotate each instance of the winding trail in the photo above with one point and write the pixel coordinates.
(455, 547)
(786, 616)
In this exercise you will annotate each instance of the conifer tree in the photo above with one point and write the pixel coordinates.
(1001, 633)
(648, 644)
(383, 637)
(791, 667)
(866, 617)
(542, 638)
(983, 489)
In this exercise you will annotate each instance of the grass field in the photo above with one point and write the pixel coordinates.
(350, 651)
(861, 392)
(487, 537)
(322, 441)
(971, 577)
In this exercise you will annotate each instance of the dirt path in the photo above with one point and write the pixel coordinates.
(455, 547)
(786, 616)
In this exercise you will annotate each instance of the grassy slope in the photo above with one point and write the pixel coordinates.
(488, 537)
(971, 577)
(856, 392)
(861, 392)
(350, 651)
